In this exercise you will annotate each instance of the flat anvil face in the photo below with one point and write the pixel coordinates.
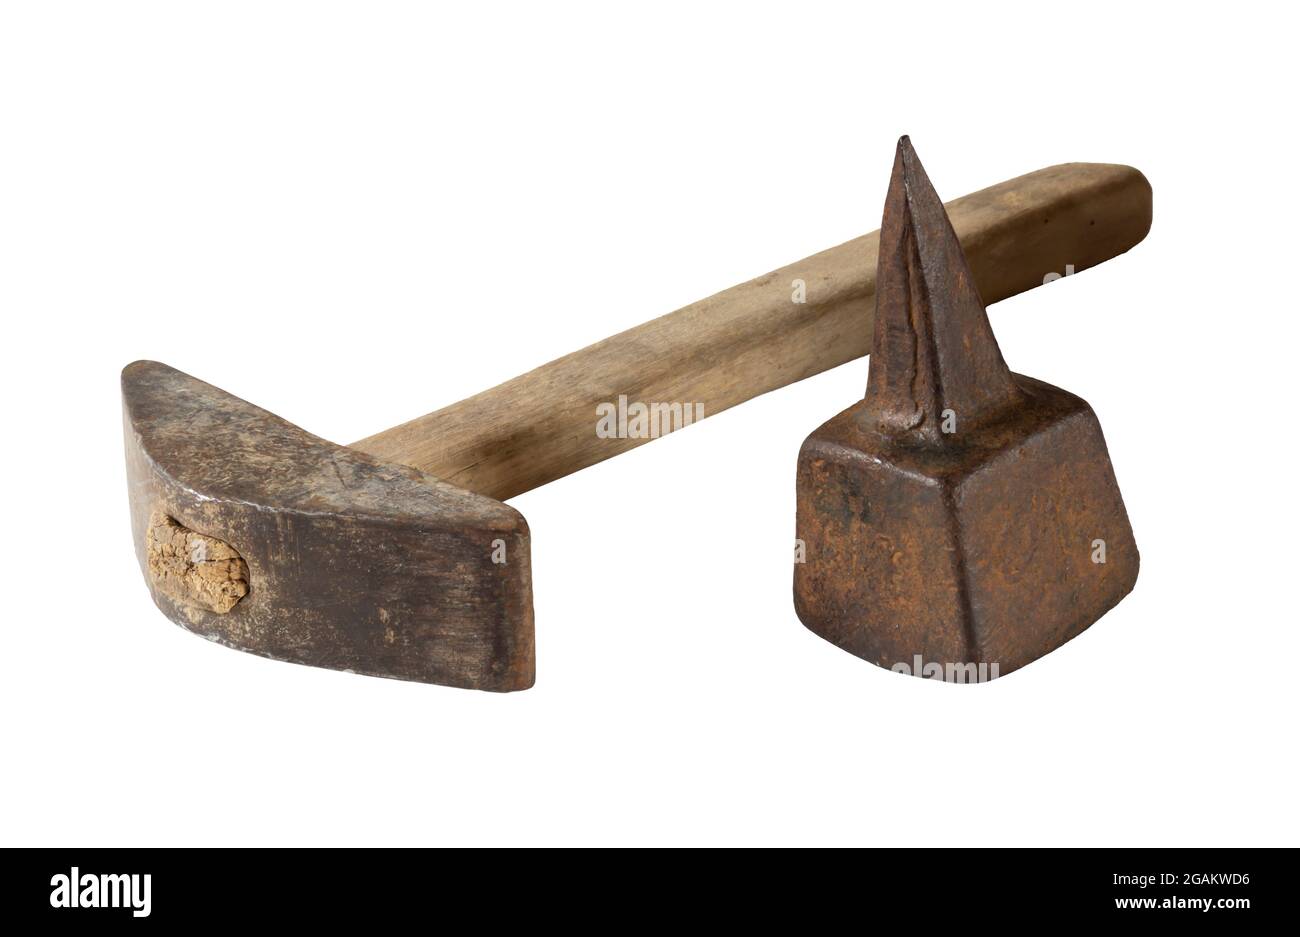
(991, 549)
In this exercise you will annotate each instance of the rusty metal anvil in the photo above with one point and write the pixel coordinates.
(960, 516)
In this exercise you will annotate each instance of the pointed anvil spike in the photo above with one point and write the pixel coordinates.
(961, 520)
(934, 349)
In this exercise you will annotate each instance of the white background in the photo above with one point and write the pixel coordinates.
(355, 213)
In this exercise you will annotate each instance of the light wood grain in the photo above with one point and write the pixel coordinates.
(753, 338)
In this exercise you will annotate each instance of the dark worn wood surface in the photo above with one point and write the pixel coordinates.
(353, 564)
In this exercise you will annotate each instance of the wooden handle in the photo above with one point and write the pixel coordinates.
(755, 337)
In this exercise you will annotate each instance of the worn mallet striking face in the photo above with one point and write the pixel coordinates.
(395, 557)
(960, 515)
(263, 537)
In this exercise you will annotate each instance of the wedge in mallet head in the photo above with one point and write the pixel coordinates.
(960, 515)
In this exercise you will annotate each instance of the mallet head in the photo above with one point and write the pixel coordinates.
(263, 537)
(960, 515)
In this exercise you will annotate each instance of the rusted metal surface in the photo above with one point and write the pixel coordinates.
(960, 515)
(345, 562)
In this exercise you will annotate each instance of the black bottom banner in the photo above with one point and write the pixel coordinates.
(134, 888)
